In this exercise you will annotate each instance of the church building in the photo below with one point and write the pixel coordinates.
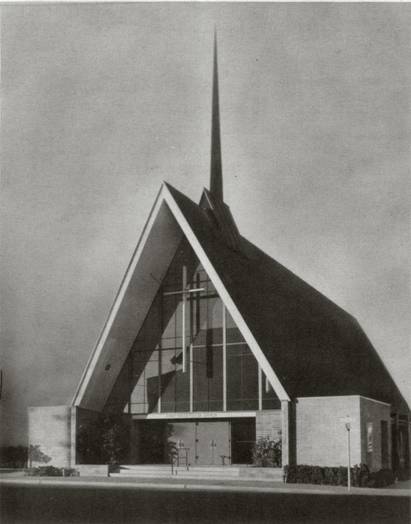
(212, 344)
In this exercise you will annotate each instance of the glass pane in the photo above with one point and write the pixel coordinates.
(270, 399)
(204, 329)
(233, 333)
(168, 315)
(208, 378)
(242, 378)
(167, 379)
(144, 397)
(175, 388)
(211, 322)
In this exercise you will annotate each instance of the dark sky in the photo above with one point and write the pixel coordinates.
(100, 103)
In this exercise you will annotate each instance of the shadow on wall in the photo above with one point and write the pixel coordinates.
(58, 417)
(35, 454)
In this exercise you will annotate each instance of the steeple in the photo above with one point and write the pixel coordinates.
(216, 168)
(212, 200)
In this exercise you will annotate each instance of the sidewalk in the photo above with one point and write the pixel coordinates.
(402, 489)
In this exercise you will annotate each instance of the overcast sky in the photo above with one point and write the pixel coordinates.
(101, 103)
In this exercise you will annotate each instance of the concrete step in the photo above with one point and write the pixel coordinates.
(166, 468)
(262, 473)
(179, 472)
(200, 472)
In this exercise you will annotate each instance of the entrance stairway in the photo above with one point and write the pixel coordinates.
(200, 472)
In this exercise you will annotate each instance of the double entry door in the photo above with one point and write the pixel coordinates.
(207, 441)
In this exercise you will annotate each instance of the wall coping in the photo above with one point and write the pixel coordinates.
(346, 396)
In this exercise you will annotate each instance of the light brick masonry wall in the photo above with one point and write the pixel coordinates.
(50, 429)
(268, 424)
(321, 433)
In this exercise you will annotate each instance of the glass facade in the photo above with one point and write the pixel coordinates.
(185, 370)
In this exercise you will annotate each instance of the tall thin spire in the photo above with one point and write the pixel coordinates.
(216, 169)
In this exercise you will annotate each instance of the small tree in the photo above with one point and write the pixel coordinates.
(171, 446)
(36, 455)
(114, 439)
(89, 443)
(104, 440)
(267, 453)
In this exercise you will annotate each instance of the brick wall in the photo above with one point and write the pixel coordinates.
(268, 424)
(50, 429)
(321, 435)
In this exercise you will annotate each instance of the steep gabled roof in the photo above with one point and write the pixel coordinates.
(305, 344)
(314, 347)
(159, 241)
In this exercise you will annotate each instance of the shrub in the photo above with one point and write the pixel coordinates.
(13, 456)
(51, 471)
(267, 453)
(337, 476)
(171, 445)
(360, 475)
(342, 478)
(317, 475)
(44, 471)
(104, 440)
(112, 441)
(70, 472)
(329, 476)
(381, 479)
(403, 474)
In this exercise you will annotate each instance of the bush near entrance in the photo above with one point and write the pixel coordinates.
(267, 453)
(104, 441)
(51, 471)
(337, 476)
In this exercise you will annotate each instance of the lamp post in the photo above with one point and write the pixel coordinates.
(348, 428)
(348, 422)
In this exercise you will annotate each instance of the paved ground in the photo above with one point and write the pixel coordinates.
(70, 503)
(99, 501)
(15, 478)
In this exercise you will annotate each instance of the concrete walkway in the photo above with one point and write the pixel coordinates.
(400, 489)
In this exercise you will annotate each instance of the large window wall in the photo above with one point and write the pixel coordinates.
(201, 361)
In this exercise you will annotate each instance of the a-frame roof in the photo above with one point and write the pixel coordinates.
(162, 234)
(306, 345)
(314, 347)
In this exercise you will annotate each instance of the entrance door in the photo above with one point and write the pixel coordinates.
(183, 436)
(212, 440)
(242, 440)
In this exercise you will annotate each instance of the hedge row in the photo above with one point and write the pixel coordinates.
(13, 456)
(51, 471)
(337, 476)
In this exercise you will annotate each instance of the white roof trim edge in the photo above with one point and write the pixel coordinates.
(94, 357)
(165, 195)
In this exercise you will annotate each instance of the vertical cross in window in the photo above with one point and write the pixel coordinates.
(185, 292)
